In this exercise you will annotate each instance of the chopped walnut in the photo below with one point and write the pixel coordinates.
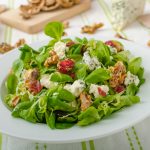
(31, 74)
(66, 24)
(49, 2)
(35, 6)
(26, 15)
(120, 36)
(2, 8)
(118, 74)
(52, 60)
(4, 47)
(77, 1)
(85, 101)
(15, 101)
(34, 86)
(118, 46)
(66, 3)
(31, 81)
(50, 5)
(20, 42)
(28, 10)
(148, 43)
(65, 34)
(91, 29)
(70, 43)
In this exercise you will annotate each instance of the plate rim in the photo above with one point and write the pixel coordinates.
(133, 122)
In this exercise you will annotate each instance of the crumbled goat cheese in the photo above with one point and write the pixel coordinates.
(60, 49)
(76, 88)
(45, 81)
(94, 89)
(131, 78)
(113, 50)
(111, 58)
(92, 63)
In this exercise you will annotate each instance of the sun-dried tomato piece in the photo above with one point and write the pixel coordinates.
(15, 101)
(115, 44)
(34, 86)
(101, 92)
(110, 43)
(119, 89)
(65, 66)
(73, 75)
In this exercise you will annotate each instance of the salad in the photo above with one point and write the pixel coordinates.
(72, 81)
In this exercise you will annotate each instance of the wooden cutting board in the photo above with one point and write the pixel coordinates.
(37, 22)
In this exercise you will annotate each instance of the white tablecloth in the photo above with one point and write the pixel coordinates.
(134, 138)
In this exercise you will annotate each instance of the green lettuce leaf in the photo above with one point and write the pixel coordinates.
(88, 116)
(131, 89)
(11, 83)
(98, 75)
(134, 65)
(54, 30)
(59, 77)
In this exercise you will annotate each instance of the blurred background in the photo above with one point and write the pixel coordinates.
(126, 19)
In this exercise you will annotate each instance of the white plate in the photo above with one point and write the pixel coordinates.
(116, 122)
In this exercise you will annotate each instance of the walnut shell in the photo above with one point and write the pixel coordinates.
(77, 1)
(34, 1)
(49, 2)
(66, 3)
(28, 10)
(50, 5)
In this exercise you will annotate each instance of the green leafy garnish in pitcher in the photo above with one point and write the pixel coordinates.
(72, 81)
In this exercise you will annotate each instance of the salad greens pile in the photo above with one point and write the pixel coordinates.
(72, 81)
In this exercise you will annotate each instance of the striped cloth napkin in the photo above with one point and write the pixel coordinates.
(134, 138)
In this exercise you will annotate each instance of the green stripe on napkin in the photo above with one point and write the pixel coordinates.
(137, 138)
(36, 146)
(7, 38)
(84, 146)
(92, 146)
(0, 141)
(129, 140)
(45, 147)
(148, 1)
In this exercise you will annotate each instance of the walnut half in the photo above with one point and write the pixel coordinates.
(35, 6)
(148, 43)
(91, 29)
(52, 60)
(118, 74)
(4, 47)
(20, 42)
(65, 24)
